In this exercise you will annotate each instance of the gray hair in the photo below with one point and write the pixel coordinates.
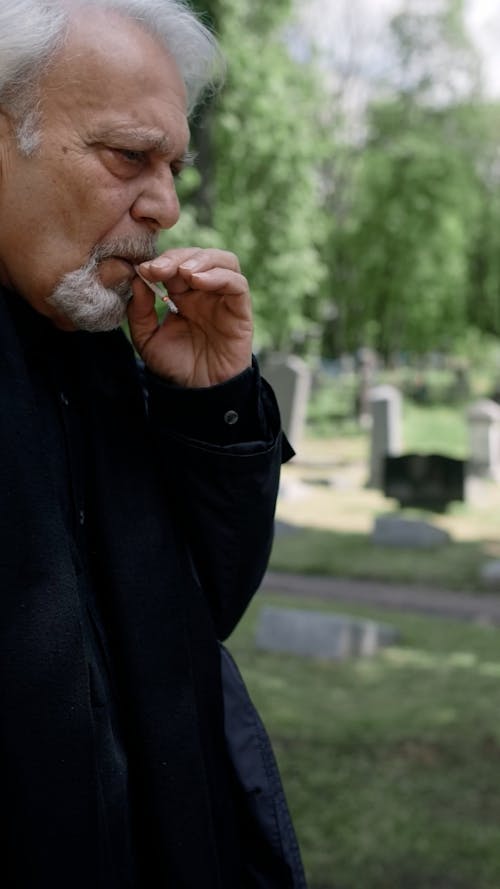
(32, 32)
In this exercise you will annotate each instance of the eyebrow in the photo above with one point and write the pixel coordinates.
(145, 140)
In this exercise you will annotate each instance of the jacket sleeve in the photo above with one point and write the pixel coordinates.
(222, 449)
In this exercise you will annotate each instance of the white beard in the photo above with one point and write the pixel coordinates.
(81, 298)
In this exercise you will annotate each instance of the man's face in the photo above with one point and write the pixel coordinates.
(114, 134)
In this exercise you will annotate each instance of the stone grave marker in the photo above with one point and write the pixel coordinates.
(425, 481)
(290, 378)
(483, 419)
(396, 531)
(316, 634)
(386, 432)
(490, 574)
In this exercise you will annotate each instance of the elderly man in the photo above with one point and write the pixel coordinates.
(137, 505)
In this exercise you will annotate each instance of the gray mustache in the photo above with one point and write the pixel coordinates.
(134, 250)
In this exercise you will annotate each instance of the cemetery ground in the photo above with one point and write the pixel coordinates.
(326, 512)
(390, 762)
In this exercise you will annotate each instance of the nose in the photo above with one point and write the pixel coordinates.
(157, 204)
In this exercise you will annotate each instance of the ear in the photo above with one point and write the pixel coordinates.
(5, 123)
(6, 129)
(7, 138)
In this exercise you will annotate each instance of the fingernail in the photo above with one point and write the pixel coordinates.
(189, 264)
(159, 263)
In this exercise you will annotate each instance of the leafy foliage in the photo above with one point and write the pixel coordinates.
(407, 244)
(413, 264)
(259, 193)
(376, 231)
(267, 190)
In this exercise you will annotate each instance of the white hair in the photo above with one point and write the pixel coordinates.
(32, 32)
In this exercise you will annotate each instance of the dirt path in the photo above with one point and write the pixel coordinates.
(481, 608)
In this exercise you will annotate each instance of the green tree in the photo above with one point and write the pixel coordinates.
(268, 138)
(400, 263)
(408, 242)
(259, 191)
(484, 270)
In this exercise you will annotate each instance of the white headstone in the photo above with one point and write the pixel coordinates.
(316, 634)
(397, 531)
(490, 574)
(483, 419)
(386, 432)
(290, 378)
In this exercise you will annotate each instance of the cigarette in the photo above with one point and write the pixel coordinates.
(159, 291)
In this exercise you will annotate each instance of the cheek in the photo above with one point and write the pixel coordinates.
(97, 208)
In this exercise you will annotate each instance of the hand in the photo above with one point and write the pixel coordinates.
(210, 340)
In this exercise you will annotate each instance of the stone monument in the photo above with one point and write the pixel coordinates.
(483, 419)
(316, 634)
(386, 432)
(290, 378)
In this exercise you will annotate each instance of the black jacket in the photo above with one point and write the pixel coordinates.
(181, 512)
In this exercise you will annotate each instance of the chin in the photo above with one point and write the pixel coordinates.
(82, 302)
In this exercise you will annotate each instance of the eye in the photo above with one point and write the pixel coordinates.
(182, 163)
(177, 169)
(130, 155)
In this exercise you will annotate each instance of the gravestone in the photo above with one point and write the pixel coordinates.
(490, 574)
(290, 378)
(396, 531)
(386, 432)
(425, 481)
(483, 419)
(315, 634)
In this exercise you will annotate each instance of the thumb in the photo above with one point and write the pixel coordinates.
(141, 314)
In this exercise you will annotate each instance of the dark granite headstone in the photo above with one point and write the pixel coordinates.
(426, 481)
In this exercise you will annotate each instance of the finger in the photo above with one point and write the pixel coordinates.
(209, 259)
(178, 284)
(187, 280)
(166, 265)
(141, 314)
(220, 281)
(190, 259)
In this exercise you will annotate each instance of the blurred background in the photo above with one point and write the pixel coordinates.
(352, 161)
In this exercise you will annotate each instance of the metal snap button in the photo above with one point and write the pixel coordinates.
(231, 417)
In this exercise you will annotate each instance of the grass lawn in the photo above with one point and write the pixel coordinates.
(435, 429)
(315, 551)
(390, 764)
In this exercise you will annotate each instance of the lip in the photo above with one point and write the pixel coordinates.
(115, 270)
(126, 264)
(123, 259)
